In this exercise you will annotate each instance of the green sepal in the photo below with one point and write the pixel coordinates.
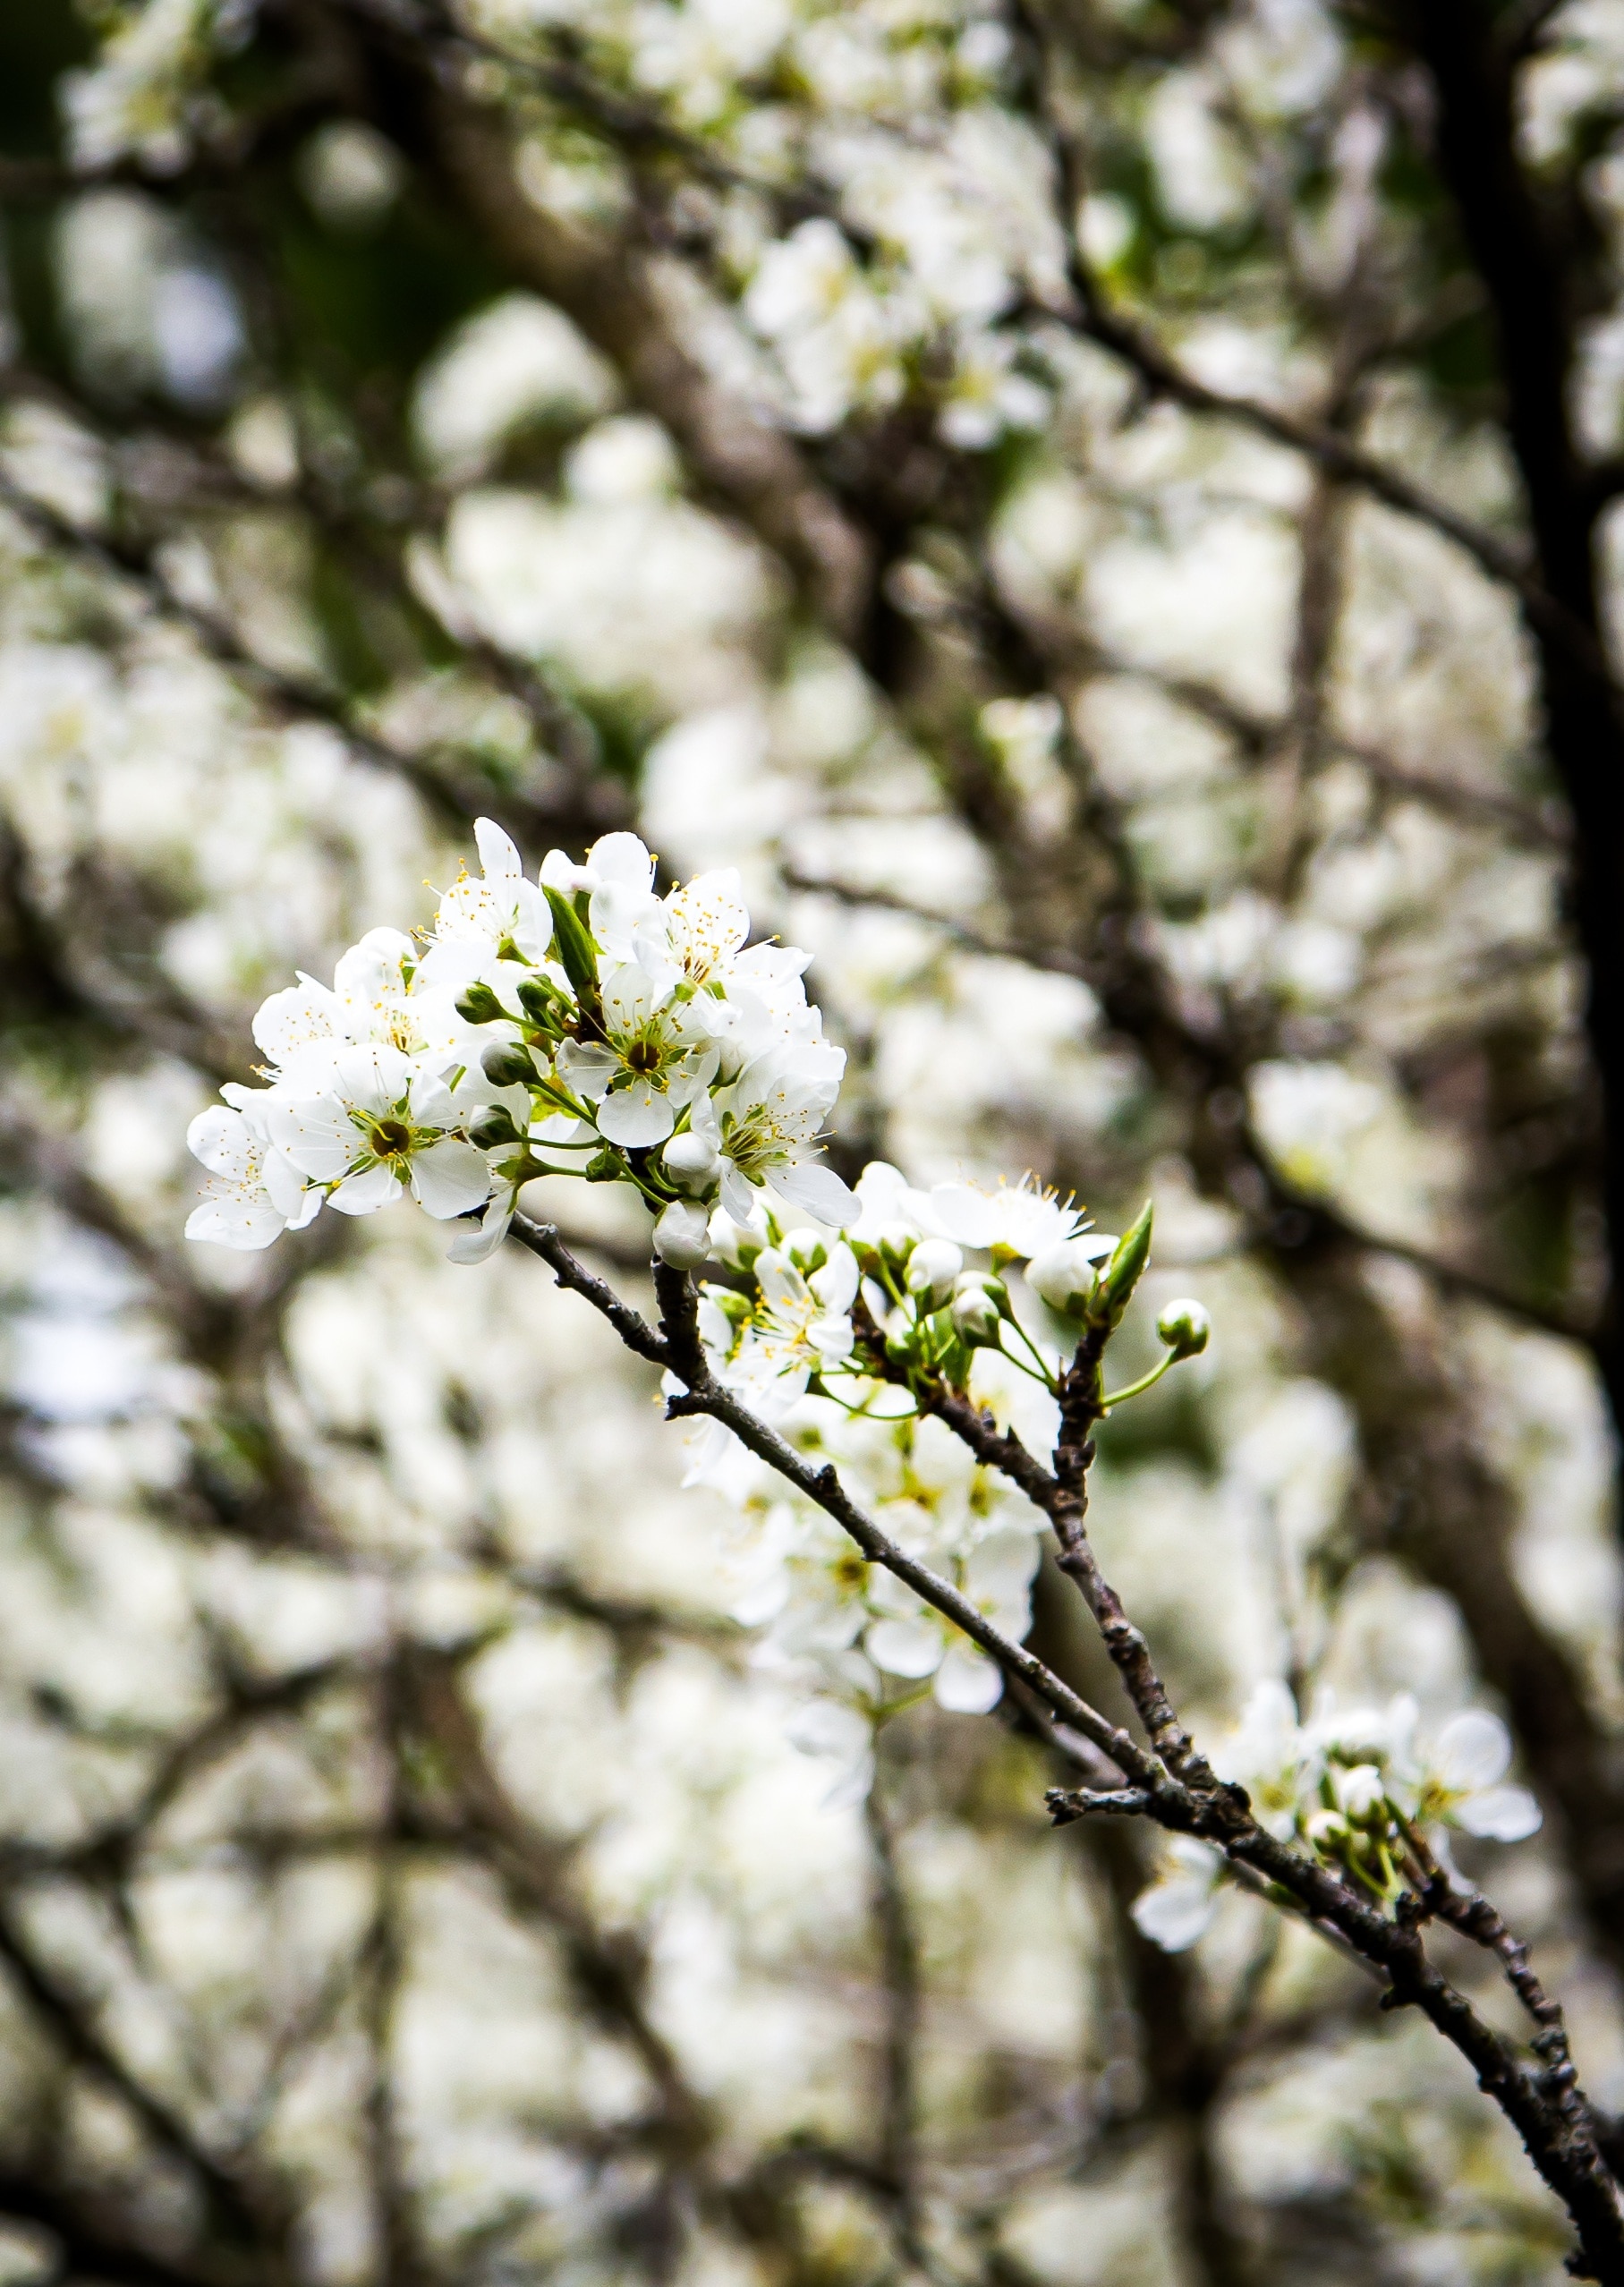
(1113, 1288)
(573, 943)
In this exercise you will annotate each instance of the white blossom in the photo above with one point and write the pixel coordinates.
(378, 1127)
(254, 1193)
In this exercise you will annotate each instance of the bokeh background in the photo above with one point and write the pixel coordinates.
(1100, 510)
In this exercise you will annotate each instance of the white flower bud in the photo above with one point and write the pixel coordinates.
(976, 1306)
(691, 1161)
(806, 1251)
(894, 1240)
(1183, 1326)
(1360, 1791)
(737, 1244)
(1063, 1275)
(681, 1237)
(933, 1268)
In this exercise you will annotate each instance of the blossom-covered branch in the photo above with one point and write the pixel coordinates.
(583, 1023)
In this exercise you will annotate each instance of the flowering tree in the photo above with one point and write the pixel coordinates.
(1094, 520)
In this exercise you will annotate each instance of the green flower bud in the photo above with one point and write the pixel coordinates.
(478, 1005)
(1183, 1326)
(542, 1002)
(496, 1127)
(506, 1065)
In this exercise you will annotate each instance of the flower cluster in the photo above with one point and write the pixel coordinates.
(1358, 1789)
(581, 1022)
(843, 1341)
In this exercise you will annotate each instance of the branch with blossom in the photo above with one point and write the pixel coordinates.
(920, 1344)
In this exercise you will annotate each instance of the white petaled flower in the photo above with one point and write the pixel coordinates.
(1460, 1780)
(253, 1194)
(694, 936)
(1179, 1907)
(655, 1058)
(1270, 1754)
(500, 913)
(375, 997)
(618, 877)
(828, 1599)
(381, 1125)
(889, 1208)
(766, 1126)
(1016, 1221)
(986, 395)
(801, 1326)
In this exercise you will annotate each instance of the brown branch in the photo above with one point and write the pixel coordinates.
(1555, 2125)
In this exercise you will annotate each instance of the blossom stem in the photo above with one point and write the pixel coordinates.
(1138, 1389)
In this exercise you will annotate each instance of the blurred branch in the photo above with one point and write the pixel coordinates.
(291, 697)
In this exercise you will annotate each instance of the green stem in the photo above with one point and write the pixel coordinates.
(1145, 1381)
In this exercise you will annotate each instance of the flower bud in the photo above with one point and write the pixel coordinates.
(733, 1243)
(1183, 1326)
(932, 1267)
(541, 1001)
(507, 1065)
(494, 1129)
(1360, 1791)
(896, 1243)
(478, 1005)
(806, 1251)
(681, 1237)
(1064, 1275)
(978, 1305)
(691, 1161)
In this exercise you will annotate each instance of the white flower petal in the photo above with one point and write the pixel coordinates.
(478, 1242)
(905, 1647)
(637, 1116)
(246, 1225)
(449, 1178)
(318, 1135)
(819, 1191)
(1173, 1914)
(1499, 1814)
(499, 856)
(1474, 1750)
(967, 1681)
(622, 858)
(220, 1139)
(366, 1193)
